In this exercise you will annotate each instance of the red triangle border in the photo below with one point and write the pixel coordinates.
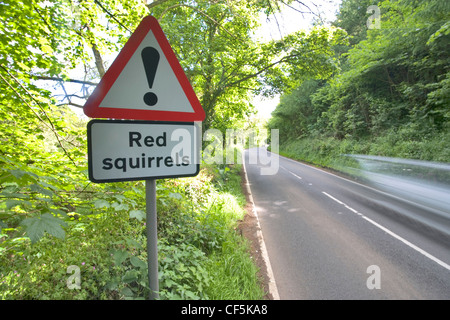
(91, 107)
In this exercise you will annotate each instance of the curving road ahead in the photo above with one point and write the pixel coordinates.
(331, 238)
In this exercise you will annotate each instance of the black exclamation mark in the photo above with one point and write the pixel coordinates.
(150, 57)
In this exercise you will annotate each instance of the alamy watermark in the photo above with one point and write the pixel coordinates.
(74, 281)
(229, 149)
(374, 280)
(374, 21)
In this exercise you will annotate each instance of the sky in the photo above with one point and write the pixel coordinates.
(288, 21)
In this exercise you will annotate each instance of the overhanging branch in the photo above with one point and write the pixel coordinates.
(90, 83)
(284, 59)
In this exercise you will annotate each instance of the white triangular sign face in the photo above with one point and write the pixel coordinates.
(145, 82)
(132, 84)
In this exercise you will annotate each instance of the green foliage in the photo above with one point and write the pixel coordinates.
(39, 271)
(391, 96)
(36, 226)
(182, 273)
(295, 116)
(37, 189)
(109, 245)
(226, 64)
(352, 17)
(51, 216)
(330, 152)
(234, 273)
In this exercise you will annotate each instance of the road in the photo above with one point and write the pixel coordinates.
(328, 237)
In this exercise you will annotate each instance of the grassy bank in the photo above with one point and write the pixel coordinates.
(330, 152)
(200, 254)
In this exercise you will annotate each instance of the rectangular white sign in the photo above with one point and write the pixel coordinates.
(125, 150)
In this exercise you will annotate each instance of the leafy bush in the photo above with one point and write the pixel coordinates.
(182, 273)
(106, 242)
(39, 271)
(391, 96)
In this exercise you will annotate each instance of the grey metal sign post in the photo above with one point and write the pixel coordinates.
(145, 82)
(125, 150)
(152, 238)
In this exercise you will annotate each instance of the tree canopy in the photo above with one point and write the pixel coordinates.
(393, 81)
(54, 52)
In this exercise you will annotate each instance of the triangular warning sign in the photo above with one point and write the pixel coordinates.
(145, 82)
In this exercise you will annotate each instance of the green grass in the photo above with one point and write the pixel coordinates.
(232, 269)
(234, 273)
(330, 152)
(200, 254)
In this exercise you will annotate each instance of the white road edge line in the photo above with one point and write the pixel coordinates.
(411, 245)
(273, 290)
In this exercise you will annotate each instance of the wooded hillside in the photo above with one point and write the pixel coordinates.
(391, 94)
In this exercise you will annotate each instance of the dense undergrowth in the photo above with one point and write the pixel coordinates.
(331, 152)
(200, 254)
(389, 95)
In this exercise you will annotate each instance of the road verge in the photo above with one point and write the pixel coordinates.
(251, 229)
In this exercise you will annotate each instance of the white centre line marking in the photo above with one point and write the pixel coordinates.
(291, 173)
(333, 198)
(295, 175)
(340, 202)
(396, 236)
(426, 254)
